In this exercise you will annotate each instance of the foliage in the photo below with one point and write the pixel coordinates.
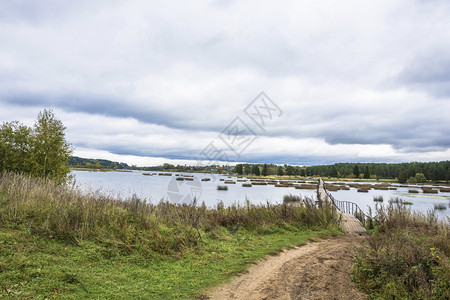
(407, 257)
(15, 147)
(41, 151)
(402, 177)
(431, 170)
(79, 162)
(420, 177)
(264, 170)
(239, 169)
(411, 180)
(255, 170)
(366, 172)
(356, 170)
(333, 172)
(50, 151)
(280, 171)
(290, 170)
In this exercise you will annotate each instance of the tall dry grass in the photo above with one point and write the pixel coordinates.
(64, 212)
(407, 257)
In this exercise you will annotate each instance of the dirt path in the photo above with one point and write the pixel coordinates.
(318, 270)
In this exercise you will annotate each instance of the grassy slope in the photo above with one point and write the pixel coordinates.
(38, 268)
(59, 242)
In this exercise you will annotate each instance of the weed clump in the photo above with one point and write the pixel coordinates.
(429, 190)
(440, 206)
(378, 198)
(407, 256)
(292, 199)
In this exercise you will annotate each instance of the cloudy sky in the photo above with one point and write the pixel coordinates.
(147, 82)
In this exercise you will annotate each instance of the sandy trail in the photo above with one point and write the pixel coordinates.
(318, 270)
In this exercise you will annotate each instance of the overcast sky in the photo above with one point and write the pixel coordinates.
(147, 82)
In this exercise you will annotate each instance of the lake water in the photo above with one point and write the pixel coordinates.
(156, 188)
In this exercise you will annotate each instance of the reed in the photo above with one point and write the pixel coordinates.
(440, 206)
(407, 258)
(382, 188)
(283, 185)
(399, 201)
(285, 182)
(333, 188)
(306, 187)
(259, 183)
(429, 190)
(65, 213)
(378, 198)
(292, 198)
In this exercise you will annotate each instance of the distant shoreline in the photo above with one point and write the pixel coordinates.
(98, 170)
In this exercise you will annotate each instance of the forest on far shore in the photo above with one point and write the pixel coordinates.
(419, 171)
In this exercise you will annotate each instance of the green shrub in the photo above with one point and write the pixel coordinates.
(407, 256)
(41, 151)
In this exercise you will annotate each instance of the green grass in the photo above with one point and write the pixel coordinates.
(59, 243)
(35, 267)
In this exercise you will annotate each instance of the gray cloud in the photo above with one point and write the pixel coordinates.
(357, 75)
(107, 107)
(429, 72)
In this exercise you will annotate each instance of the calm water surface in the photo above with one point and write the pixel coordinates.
(156, 188)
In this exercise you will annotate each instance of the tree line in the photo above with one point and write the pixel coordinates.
(40, 150)
(402, 171)
(91, 163)
(419, 171)
(268, 170)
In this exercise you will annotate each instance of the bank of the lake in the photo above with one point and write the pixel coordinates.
(58, 242)
(155, 188)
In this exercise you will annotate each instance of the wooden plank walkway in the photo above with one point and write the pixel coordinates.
(349, 223)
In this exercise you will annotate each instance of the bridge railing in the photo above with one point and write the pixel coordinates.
(348, 207)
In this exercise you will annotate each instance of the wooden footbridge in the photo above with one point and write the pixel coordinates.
(348, 211)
